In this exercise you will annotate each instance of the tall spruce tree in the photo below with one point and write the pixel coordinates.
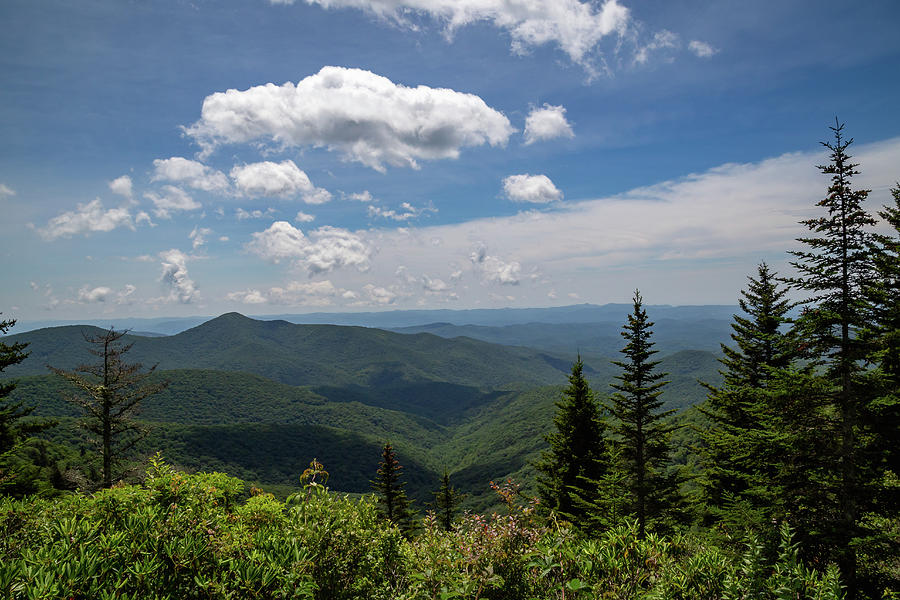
(835, 270)
(109, 394)
(446, 499)
(15, 427)
(640, 427)
(393, 505)
(737, 484)
(884, 331)
(576, 449)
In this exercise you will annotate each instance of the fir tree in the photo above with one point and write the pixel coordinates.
(14, 426)
(446, 499)
(576, 449)
(393, 505)
(641, 431)
(109, 394)
(736, 486)
(836, 269)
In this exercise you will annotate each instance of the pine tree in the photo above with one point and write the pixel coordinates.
(109, 395)
(641, 432)
(737, 485)
(393, 505)
(836, 270)
(884, 331)
(446, 499)
(576, 449)
(14, 427)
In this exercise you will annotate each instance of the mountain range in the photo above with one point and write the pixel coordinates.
(260, 398)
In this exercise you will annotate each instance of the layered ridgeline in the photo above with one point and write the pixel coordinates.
(260, 399)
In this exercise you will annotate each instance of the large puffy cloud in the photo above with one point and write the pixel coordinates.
(86, 218)
(175, 278)
(575, 26)
(190, 173)
(546, 123)
(172, 199)
(366, 117)
(282, 179)
(535, 189)
(325, 249)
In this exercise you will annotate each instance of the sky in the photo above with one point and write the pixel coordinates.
(177, 158)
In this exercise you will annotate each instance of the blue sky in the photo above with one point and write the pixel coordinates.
(182, 158)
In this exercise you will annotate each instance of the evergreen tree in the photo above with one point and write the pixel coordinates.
(446, 499)
(736, 486)
(576, 449)
(15, 428)
(109, 395)
(884, 332)
(393, 505)
(836, 269)
(641, 431)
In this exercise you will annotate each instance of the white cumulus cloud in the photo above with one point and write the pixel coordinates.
(190, 173)
(535, 189)
(102, 294)
(547, 123)
(121, 186)
(86, 218)
(493, 269)
(325, 249)
(576, 27)
(282, 179)
(303, 217)
(172, 199)
(366, 117)
(174, 277)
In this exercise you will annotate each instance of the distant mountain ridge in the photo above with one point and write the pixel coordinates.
(578, 313)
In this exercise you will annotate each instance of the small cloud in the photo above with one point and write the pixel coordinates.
(97, 294)
(5, 190)
(175, 277)
(303, 217)
(493, 269)
(702, 49)
(87, 218)
(363, 196)
(223, 238)
(535, 189)
(172, 199)
(143, 217)
(326, 248)
(407, 211)
(191, 173)
(284, 179)
(243, 215)
(662, 40)
(378, 295)
(121, 186)
(547, 123)
(198, 236)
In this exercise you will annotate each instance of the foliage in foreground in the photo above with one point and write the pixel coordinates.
(188, 536)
